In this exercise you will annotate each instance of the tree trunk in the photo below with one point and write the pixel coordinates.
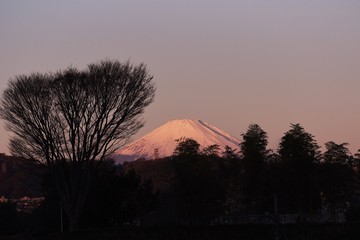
(73, 191)
(73, 208)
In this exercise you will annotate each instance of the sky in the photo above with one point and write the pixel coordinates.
(228, 63)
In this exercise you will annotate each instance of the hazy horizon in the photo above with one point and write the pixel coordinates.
(229, 63)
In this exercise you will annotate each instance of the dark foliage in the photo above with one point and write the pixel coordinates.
(118, 198)
(254, 178)
(198, 187)
(9, 219)
(336, 178)
(298, 169)
(187, 147)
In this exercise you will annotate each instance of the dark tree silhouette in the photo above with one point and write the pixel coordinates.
(253, 148)
(299, 183)
(212, 150)
(336, 177)
(74, 119)
(187, 147)
(196, 184)
(299, 147)
(254, 154)
(230, 153)
(337, 154)
(123, 196)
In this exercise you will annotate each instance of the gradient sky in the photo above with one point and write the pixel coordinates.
(229, 63)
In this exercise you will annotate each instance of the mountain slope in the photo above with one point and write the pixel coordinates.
(161, 141)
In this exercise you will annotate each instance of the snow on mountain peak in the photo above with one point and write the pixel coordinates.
(161, 142)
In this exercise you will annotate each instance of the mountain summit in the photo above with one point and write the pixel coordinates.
(161, 142)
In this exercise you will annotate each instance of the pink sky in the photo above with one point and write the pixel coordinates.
(229, 63)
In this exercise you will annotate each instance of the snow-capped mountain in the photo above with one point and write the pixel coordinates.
(161, 142)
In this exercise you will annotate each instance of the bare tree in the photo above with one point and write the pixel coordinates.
(72, 120)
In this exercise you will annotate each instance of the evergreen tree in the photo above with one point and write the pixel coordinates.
(298, 187)
(212, 150)
(299, 148)
(230, 153)
(254, 154)
(337, 154)
(231, 168)
(336, 177)
(253, 148)
(196, 185)
(187, 147)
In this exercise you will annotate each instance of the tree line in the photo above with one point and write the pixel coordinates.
(208, 184)
(201, 186)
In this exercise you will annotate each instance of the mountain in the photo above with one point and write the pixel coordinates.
(161, 142)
